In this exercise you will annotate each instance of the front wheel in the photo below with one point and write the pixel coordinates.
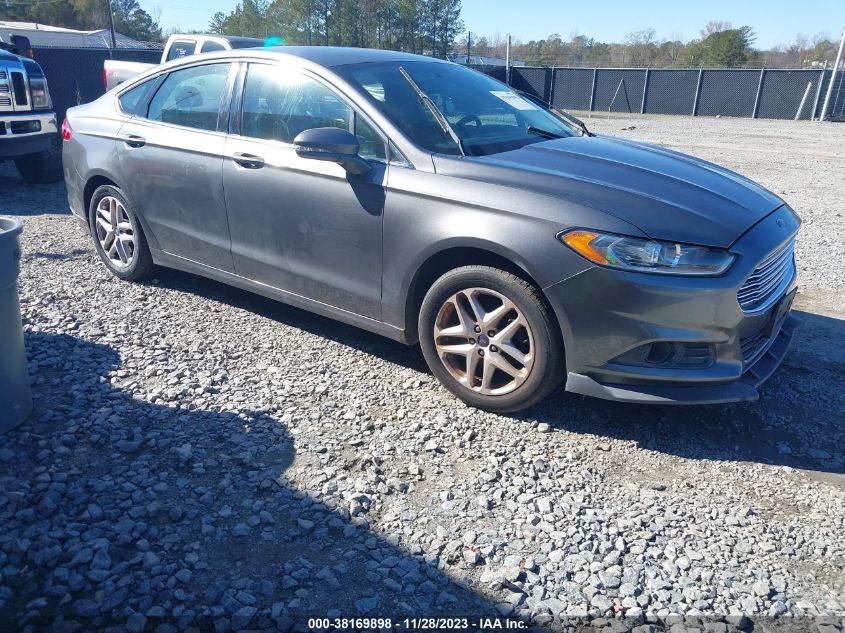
(490, 338)
(42, 168)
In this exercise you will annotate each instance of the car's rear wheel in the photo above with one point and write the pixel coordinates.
(118, 236)
(491, 339)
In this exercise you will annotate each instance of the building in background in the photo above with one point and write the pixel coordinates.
(43, 35)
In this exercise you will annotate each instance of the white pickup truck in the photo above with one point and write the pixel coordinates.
(115, 72)
(28, 130)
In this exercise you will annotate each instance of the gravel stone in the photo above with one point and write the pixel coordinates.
(205, 459)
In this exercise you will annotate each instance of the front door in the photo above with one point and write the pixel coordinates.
(174, 160)
(301, 225)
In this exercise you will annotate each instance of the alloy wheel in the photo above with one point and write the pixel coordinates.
(484, 341)
(115, 232)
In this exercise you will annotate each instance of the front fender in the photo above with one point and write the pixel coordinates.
(426, 214)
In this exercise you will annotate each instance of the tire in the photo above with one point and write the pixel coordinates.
(42, 168)
(517, 328)
(124, 262)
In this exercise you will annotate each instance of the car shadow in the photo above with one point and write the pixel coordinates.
(799, 420)
(408, 356)
(114, 504)
(20, 199)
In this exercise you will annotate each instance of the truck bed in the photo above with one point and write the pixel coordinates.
(115, 72)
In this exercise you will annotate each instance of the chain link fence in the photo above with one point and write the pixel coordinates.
(769, 93)
(75, 75)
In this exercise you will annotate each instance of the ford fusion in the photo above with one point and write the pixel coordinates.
(426, 202)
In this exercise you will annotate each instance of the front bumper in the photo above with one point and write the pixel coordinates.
(606, 314)
(24, 133)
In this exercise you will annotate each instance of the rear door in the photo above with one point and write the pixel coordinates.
(172, 159)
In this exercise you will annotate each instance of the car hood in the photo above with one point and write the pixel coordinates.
(667, 195)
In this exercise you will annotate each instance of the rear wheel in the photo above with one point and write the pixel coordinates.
(490, 338)
(118, 236)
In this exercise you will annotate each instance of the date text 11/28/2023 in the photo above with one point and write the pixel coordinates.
(418, 624)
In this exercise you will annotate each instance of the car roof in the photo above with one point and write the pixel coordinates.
(330, 56)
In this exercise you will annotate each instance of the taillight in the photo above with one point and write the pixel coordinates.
(67, 130)
(105, 79)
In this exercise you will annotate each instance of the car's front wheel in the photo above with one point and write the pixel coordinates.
(42, 168)
(118, 237)
(491, 339)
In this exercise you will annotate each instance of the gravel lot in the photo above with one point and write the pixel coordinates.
(201, 457)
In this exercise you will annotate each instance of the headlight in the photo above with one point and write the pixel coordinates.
(647, 256)
(40, 94)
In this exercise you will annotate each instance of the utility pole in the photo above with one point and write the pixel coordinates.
(469, 45)
(111, 26)
(832, 78)
(508, 61)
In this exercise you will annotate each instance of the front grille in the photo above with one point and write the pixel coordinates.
(767, 279)
(6, 101)
(4, 89)
(753, 347)
(2, 74)
(19, 88)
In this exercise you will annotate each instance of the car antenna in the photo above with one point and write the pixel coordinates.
(438, 115)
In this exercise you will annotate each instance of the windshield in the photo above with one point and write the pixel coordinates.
(486, 115)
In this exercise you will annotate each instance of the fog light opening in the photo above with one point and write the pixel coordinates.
(659, 353)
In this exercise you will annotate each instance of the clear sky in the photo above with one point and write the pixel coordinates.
(774, 21)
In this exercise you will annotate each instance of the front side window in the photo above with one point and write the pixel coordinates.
(191, 97)
(178, 50)
(279, 104)
(370, 142)
(134, 100)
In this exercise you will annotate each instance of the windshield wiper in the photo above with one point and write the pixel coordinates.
(435, 111)
(544, 133)
(572, 120)
(563, 115)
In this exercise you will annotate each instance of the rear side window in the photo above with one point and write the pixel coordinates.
(278, 105)
(210, 45)
(179, 50)
(191, 97)
(134, 100)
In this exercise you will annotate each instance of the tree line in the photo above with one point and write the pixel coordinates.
(418, 26)
(433, 27)
(719, 45)
(87, 15)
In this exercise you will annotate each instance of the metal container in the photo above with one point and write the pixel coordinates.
(15, 395)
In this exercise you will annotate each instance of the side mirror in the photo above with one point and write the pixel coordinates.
(331, 144)
(21, 45)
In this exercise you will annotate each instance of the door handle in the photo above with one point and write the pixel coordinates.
(250, 161)
(133, 140)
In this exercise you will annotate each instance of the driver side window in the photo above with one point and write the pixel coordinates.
(371, 143)
(278, 105)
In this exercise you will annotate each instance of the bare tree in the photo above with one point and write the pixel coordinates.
(642, 47)
(715, 26)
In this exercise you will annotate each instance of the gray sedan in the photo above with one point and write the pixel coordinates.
(426, 202)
